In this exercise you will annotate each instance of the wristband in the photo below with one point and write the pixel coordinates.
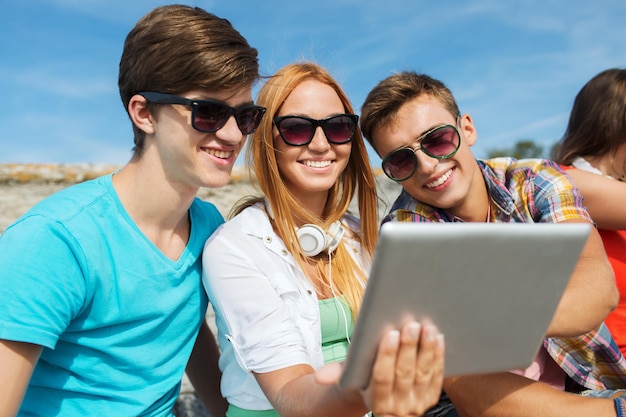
(620, 407)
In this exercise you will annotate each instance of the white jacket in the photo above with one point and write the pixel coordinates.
(266, 309)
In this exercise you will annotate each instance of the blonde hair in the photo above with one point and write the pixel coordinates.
(347, 276)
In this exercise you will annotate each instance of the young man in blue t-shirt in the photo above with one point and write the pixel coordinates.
(100, 286)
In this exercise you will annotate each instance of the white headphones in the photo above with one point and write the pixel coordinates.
(314, 240)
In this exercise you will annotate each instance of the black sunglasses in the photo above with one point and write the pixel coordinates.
(299, 130)
(440, 142)
(209, 115)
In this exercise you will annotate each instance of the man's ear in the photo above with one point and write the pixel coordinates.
(140, 115)
(467, 129)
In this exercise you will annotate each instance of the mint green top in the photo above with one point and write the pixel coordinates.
(336, 319)
(336, 323)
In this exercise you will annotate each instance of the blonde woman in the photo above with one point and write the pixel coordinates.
(286, 274)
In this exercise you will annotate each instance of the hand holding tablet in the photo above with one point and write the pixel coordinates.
(491, 288)
(407, 374)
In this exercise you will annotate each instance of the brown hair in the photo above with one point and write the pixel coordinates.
(597, 123)
(388, 96)
(356, 178)
(177, 48)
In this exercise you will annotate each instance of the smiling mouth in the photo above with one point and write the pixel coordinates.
(219, 154)
(439, 180)
(317, 164)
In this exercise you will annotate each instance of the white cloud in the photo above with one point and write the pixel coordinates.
(47, 80)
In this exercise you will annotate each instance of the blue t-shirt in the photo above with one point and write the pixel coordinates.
(117, 319)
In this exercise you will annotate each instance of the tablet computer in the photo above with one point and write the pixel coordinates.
(491, 289)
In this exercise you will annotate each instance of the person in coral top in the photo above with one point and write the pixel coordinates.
(594, 151)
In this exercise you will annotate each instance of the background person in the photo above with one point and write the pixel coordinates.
(595, 142)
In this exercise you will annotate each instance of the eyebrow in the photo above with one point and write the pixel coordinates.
(430, 129)
(245, 103)
(421, 136)
(309, 117)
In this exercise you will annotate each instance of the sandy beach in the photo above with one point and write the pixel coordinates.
(24, 185)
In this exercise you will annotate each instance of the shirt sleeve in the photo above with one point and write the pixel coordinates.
(253, 298)
(41, 282)
(556, 198)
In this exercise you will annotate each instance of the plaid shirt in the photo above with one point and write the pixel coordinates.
(535, 191)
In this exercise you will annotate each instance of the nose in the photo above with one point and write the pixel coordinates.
(230, 132)
(319, 143)
(425, 164)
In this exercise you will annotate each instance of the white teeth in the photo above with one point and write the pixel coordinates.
(219, 154)
(440, 180)
(317, 164)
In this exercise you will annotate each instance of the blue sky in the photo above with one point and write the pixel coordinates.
(514, 66)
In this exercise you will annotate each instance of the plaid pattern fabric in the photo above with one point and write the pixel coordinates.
(535, 191)
(592, 360)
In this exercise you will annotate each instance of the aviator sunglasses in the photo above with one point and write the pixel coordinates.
(299, 130)
(209, 115)
(440, 142)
